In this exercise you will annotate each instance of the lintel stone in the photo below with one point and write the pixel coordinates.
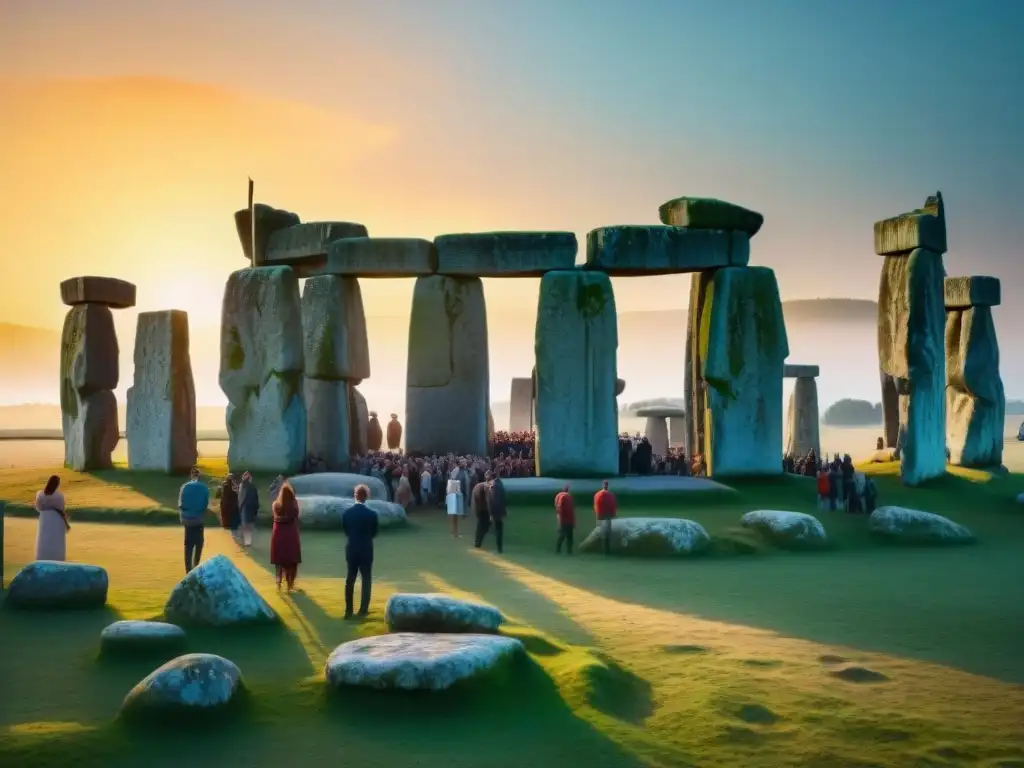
(375, 257)
(664, 250)
(923, 228)
(109, 291)
(975, 291)
(505, 254)
(793, 371)
(710, 213)
(303, 242)
(660, 412)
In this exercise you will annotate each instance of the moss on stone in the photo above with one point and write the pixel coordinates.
(236, 352)
(591, 297)
(72, 337)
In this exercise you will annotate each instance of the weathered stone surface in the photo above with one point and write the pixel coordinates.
(49, 585)
(328, 410)
(432, 612)
(976, 291)
(650, 537)
(324, 512)
(911, 348)
(305, 242)
(376, 257)
(677, 430)
(794, 371)
(216, 594)
(505, 254)
(659, 250)
(359, 422)
(412, 661)
(890, 410)
(268, 220)
(576, 347)
(134, 636)
(915, 526)
(924, 228)
(108, 291)
(709, 213)
(340, 484)
(334, 329)
(521, 405)
(789, 530)
(975, 398)
(448, 374)
(802, 429)
(261, 364)
(194, 684)
(694, 391)
(660, 411)
(656, 432)
(743, 344)
(92, 435)
(161, 418)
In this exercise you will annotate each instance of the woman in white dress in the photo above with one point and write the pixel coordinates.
(453, 501)
(51, 535)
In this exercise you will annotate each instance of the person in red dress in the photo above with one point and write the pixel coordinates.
(285, 549)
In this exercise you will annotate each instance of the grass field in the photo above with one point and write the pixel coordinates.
(723, 661)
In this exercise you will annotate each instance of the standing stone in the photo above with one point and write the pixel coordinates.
(359, 423)
(911, 330)
(334, 329)
(975, 399)
(521, 405)
(743, 346)
(694, 390)
(447, 379)
(261, 363)
(576, 348)
(161, 419)
(657, 428)
(677, 431)
(802, 419)
(890, 410)
(328, 411)
(88, 376)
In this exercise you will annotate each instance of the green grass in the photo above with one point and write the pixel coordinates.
(719, 661)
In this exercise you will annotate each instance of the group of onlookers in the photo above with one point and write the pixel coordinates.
(838, 484)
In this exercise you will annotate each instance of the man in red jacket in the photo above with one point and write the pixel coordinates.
(565, 511)
(604, 509)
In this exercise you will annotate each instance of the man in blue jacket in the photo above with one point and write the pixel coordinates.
(193, 501)
(360, 525)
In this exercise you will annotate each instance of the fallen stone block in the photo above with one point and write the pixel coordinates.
(327, 422)
(660, 250)
(340, 484)
(791, 371)
(334, 329)
(108, 291)
(709, 213)
(268, 220)
(788, 530)
(650, 537)
(923, 228)
(913, 526)
(433, 612)
(50, 585)
(505, 254)
(976, 291)
(325, 512)
(161, 418)
(194, 685)
(376, 257)
(308, 241)
(217, 594)
(132, 637)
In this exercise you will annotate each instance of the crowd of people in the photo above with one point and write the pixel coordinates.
(839, 485)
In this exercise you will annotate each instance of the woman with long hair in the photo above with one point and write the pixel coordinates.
(51, 535)
(285, 548)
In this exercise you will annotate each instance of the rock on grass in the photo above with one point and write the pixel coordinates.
(788, 530)
(430, 612)
(194, 684)
(131, 637)
(650, 537)
(52, 585)
(216, 594)
(916, 527)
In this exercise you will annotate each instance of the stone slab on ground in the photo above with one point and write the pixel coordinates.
(268, 220)
(650, 537)
(921, 228)
(433, 612)
(161, 410)
(709, 213)
(132, 636)
(217, 594)
(798, 371)
(309, 240)
(342, 484)
(975, 291)
(334, 329)
(661, 250)
(917, 527)
(505, 254)
(90, 289)
(631, 485)
(411, 661)
(789, 530)
(52, 585)
(196, 683)
(324, 512)
(376, 257)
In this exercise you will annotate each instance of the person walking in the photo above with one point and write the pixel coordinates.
(605, 510)
(51, 534)
(359, 523)
(496, 508)
(193, 501)
(565, 513)
(478, 500)
(453, 504)
(230, 518)
(248, 507)
(285, 547)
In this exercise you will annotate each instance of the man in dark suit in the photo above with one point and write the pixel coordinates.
(360, 525)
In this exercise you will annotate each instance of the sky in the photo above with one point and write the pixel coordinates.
(129, 129)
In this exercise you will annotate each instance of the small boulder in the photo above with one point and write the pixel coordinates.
(216, 594)
(789, 530)
(324, 512)
(429, 612)
(193, 684)
(650, 537)
(141, 636)
(915, 526)
(411, 661)
(342, 484)
(48, 584)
